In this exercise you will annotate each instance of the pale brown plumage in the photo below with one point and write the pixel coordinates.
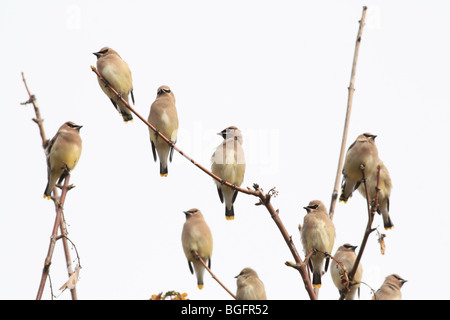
(196, 236)
(384, 193)
(390, 289)
(228, 163)
(317, 233)
(345, 254)
(362, 152)
(117, 73)
(163, 116)
(63, 152)
(249, 286)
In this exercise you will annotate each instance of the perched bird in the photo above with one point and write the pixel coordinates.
(362, 152)
(249, 286)
(117, 73)
(63, 152)
(228, 163)
(163, 116)
(345, 254)
(196, 236)
(317, 234)
(384, 193)
(390, 289)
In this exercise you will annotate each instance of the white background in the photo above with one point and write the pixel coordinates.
(278, 70)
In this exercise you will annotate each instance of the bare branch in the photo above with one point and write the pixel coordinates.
(40, 122)
(264, 199)
(371, 213)
(351, 89)
(212, 275)
(53, 238)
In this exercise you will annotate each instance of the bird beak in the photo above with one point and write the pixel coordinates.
(187, 213)
(97, 54)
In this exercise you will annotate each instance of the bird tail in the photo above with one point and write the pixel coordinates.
(126, 117)
(317, 283)
(388, 224)
(163, 170)
(229, 213)
(384, 211)
(47, 192)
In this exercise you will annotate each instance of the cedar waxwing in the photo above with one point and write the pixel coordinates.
(384, 192)
(345, 254)
(163, 116)
(317, 233)
(228, 163)
(390, 289)
(249, 286)
(63, 153)
(117, 73)
(361, 152)
(196, 236)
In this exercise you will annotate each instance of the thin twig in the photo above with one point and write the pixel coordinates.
(351, 89)
(40, 122)
(371, 213)
(264, 199)
(168, 141)
(53, 238)
(212, 274)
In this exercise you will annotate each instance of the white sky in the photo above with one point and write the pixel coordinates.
(279, 70)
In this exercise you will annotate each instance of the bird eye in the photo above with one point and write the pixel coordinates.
(103, 51)
(314, 206)
(164, 90)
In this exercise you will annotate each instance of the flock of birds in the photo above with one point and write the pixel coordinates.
(228, 163)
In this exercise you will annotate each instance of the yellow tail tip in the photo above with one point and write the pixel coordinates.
(163, 174)
(200, 286)
(317, 285)
(390, 228)
(229, 218)
(47, 197)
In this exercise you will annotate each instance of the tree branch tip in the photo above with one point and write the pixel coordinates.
(93, 68)
(294, 265)
(290, 264)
